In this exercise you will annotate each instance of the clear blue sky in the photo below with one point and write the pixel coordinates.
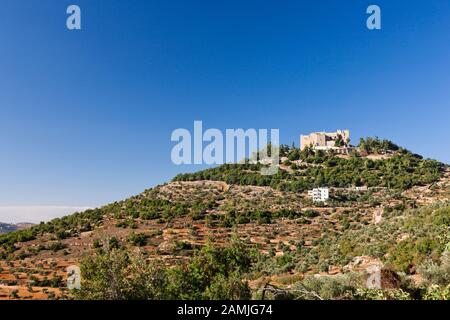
(86, 116)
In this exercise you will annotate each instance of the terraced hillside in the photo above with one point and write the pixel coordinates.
(398, 224)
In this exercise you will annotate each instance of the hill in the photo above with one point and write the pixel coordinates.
(6, 227)
(239, 233)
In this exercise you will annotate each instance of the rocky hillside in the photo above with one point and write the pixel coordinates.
(392, 229)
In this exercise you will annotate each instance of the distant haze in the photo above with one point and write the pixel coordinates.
(35, 214)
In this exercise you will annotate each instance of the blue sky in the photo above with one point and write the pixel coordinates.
(86, 116)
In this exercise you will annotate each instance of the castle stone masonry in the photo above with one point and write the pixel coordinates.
(325, 140)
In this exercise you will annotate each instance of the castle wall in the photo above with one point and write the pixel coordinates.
(323, 139)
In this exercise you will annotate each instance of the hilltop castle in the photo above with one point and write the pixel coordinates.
(338, 140)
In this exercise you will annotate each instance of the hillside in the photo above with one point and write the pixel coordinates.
(398, 225)
(6, 227)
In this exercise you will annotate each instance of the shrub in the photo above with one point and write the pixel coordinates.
(56, 246)
(435, 292)
(137, 239)
(310, 213)
(213, 273)
(379, 294)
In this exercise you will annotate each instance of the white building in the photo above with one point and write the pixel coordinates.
(319, 194)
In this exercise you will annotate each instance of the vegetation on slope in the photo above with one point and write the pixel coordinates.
(224, 272)
(212, 273)
(400, 171)
(409, 241)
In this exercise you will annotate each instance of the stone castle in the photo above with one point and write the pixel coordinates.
(326, 140)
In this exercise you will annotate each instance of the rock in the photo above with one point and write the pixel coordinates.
(362, 263)
(378, 216)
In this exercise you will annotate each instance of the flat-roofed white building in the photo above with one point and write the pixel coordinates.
(319, 194)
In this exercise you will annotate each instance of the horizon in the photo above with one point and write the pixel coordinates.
(36, 214)
(86, 116)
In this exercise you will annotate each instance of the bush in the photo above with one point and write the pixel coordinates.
(310, 213)
(325, 287)
(114, 243)
(137, 239)
(435, 274)
(213, 273)
(379, 294)
(436, 292)
(56, 246)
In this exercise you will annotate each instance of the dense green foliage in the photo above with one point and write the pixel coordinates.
(375, 145)
(212, 273)
(401, 171)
